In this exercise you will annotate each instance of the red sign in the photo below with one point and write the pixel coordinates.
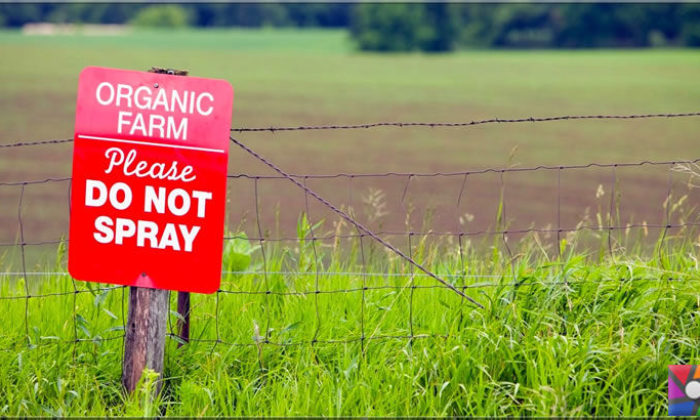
(149, 179)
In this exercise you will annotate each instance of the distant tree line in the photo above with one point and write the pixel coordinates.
(409, 26)
(443, 27)
(197, 14)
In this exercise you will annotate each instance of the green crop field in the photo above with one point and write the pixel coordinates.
(578, 322)
(315, 77)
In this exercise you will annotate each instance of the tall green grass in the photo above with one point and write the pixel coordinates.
(564, 331)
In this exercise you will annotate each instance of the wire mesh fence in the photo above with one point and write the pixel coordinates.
(409, 238)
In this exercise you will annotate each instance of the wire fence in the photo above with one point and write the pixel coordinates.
(275, 253)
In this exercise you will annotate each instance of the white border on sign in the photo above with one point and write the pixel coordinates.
(147, 143)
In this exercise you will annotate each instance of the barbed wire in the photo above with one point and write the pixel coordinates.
(486, 232)
(411, 124)
(468, 123)
(472, 172)
(45, 295)
(571, 281)
(35, 143)
(325, 273)
(413, 174)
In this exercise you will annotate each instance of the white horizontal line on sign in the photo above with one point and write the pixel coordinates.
(147, 143)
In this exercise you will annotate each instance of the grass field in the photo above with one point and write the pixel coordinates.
(570, 336)
(583, 326)
(315, 77)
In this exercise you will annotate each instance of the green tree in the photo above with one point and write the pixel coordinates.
(404, 27)
(318, 14)
(19, 14)
(161, 16)
(690, 32)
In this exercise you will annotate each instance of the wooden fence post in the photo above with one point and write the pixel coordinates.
(183, 298)
(183, 323)
(144, 346)
(145, 335)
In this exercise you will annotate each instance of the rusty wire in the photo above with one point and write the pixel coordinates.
(409, 124)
